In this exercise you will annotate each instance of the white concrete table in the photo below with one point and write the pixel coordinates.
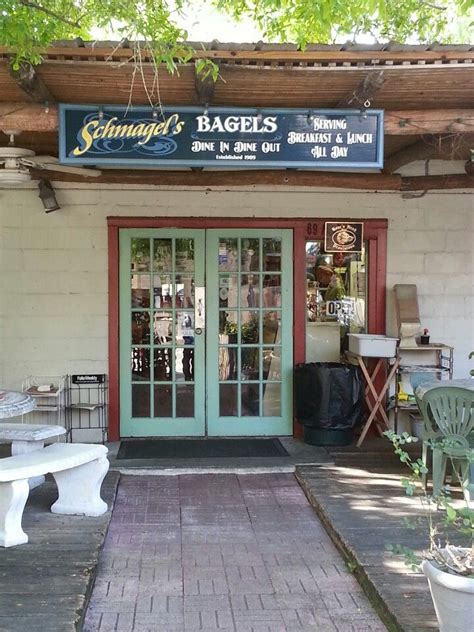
(424, 387)
(14, 403)
(28, 438)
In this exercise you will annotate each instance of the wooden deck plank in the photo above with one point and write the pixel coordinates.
(45, 584)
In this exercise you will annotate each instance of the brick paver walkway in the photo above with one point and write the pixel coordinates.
(222, 553)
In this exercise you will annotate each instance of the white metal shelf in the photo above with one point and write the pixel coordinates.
(47, 401)
(444, 357)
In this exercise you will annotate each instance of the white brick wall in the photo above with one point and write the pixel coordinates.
(53, 267)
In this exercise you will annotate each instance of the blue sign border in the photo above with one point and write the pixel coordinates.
(270, 164)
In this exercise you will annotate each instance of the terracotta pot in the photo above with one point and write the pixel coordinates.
(453, 598)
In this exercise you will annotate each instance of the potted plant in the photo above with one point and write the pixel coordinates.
(184, 254)
(231, 330)
(250, 330)
(449, 568)
(425, 337)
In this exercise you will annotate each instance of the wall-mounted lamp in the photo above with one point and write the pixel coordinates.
(259, 116)
(310, 117)
(101, 113)
(47, 196)
(206, 109)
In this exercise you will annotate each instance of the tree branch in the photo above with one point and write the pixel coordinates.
(38, 7)
(433, 6)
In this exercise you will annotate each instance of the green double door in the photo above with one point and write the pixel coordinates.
(205, 332)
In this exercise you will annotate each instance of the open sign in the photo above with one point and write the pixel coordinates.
(333, 308)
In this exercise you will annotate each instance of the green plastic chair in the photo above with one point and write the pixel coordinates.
(448, 416)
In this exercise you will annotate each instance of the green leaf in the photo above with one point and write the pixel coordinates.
(451, 513)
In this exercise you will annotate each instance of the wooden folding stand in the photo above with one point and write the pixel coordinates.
(371, 389)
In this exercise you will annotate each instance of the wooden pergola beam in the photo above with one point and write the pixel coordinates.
(365, 91)
(417, 122)
(27, 78)
(440, 57)
(437, 183)
(31, 117)
(452, 147)
(229, 179)
(235, 178)
(204, 86)
(28, 117)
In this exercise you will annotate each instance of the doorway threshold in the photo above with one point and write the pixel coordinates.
(299, 453)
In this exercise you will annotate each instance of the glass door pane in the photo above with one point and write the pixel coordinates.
(249, 332)
(161, 394)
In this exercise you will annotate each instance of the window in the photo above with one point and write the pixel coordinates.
(336, 293)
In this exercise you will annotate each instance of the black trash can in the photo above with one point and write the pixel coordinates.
(329, 401)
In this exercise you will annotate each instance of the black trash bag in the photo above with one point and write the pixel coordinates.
(329, 395)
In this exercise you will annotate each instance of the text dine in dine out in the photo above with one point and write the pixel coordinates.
(237, 147)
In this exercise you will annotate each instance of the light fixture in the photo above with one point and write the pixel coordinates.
(259, 116)
(101, 113)
(206, 109)
(47, 196)
(310, 117)
(363, 110)
(154, 113)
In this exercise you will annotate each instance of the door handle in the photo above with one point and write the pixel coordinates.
(200, 308)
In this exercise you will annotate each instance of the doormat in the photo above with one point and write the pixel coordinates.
(200, 448)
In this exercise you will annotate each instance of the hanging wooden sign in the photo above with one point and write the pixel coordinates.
(220, 137)
(343, 236)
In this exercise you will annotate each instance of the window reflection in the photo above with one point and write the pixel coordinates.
(228, 328)
(250, 363)
(185, 400)
(228, 400)
(140, 328)
(250, 290)
(250, 400)
(272, 290)
(228, 255)
(249, 327)
(335, 300)
(228, 290)
(163, 400)
(140, 284)
(162, 291)
(184, 289)
(184, 254)
(140, 254)
(163, 367)
(271, 363)
(162, 249)
(162, 327)
(184, 364)
(140, 400)
(140, 363)
(250, 254)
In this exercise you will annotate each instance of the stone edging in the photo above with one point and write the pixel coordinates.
(388, 617)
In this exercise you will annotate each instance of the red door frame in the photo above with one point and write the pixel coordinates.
(375, 232)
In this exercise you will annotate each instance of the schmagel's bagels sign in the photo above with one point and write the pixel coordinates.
(236, 137)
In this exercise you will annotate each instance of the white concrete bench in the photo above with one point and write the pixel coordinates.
(28, 438)
(78, 469)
